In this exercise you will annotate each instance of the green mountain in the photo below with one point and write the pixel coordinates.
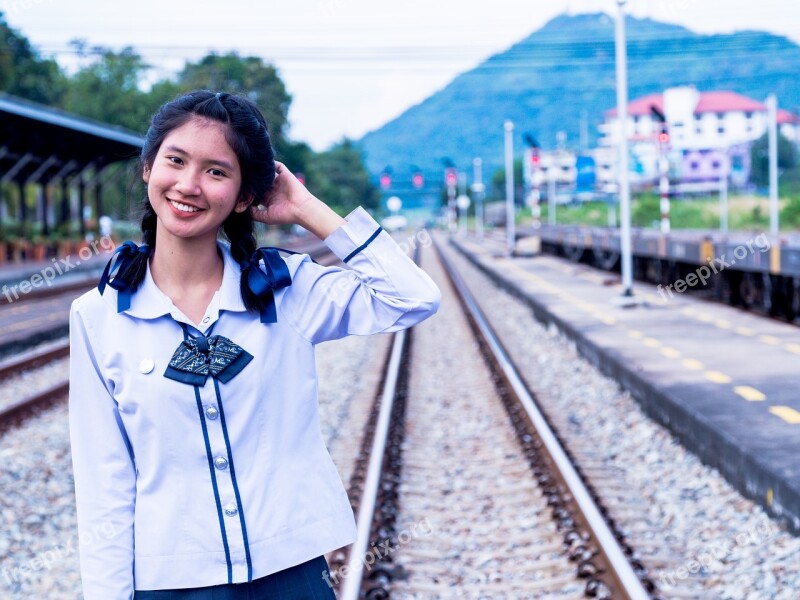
(546, 81)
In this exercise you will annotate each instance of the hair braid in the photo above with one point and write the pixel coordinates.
(238, 228)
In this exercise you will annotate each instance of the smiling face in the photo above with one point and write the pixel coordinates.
(194, 181)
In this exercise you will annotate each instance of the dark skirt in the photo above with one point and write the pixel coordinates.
(301, 582)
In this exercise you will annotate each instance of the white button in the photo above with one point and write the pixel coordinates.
(221, 462)
(231, 510)
(146, 365)
(212, 413)
(206, 319)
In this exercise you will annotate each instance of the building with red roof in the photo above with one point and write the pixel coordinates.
(707, 135)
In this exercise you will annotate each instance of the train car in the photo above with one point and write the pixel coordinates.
(754, 271)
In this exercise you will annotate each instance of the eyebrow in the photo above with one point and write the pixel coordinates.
(214, 161)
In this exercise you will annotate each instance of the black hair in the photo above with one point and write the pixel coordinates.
(247, 135)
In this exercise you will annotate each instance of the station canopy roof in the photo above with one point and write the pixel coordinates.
(39, 143)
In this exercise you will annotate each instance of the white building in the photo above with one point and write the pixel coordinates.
(709, 134)
(698, 119)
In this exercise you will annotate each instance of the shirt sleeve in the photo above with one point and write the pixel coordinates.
(104, 472)
(383, 291)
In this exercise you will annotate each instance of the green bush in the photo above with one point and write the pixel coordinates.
(645, 210)
(790, 214)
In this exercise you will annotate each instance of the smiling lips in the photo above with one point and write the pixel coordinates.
(183, 209)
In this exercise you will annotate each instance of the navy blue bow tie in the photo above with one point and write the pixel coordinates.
(198, 357)
(262, 283)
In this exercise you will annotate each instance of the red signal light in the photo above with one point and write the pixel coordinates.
(450, 177)
(663, 137)
(535, 159)
(417, 180)
(386, 181)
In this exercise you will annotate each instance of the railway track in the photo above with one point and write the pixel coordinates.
(466, 488)
(466, 506)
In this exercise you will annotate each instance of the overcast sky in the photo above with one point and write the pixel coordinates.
(351, 65)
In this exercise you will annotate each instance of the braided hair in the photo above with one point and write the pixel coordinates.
(247, 135)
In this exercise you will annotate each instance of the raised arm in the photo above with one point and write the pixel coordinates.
(383, 291)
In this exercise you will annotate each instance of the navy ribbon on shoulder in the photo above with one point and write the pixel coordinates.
(123, 255)
(274, 276)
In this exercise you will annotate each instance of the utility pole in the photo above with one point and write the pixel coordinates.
(624, 185)
(508, 127)
(551, 192)
(450, 181)
(478, 189)
(584, 139)
(462, 202)
(772, 128)
(723, 203)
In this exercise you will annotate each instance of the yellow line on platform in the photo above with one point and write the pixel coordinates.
(651, 343)
(722, 324)
(793, 348)
(769, 339)
(750, 394)
(787, 413)
(717, 377)
(637, 335)
(745, 331)
(691, 363)
(670, 352)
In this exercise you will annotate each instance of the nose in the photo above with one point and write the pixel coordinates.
(187, 182)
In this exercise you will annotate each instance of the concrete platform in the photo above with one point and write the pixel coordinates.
(724, 381)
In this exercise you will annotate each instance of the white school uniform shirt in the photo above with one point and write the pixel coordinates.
(179, 491)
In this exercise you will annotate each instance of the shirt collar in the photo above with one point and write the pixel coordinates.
(149, 302)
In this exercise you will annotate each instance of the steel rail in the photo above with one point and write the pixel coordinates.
(624, 581)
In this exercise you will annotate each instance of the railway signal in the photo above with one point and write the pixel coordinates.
(450, 177)
(663, 166)
(386, 180)
(533, 175)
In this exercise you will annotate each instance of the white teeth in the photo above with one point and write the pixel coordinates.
(184, 207)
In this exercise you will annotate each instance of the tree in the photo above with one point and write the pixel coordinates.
(498, 185)
(108, 89)
(24, 73)
(248, 76)
(759, 158)
(339, 178)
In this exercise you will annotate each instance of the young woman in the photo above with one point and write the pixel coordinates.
(200, 470)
